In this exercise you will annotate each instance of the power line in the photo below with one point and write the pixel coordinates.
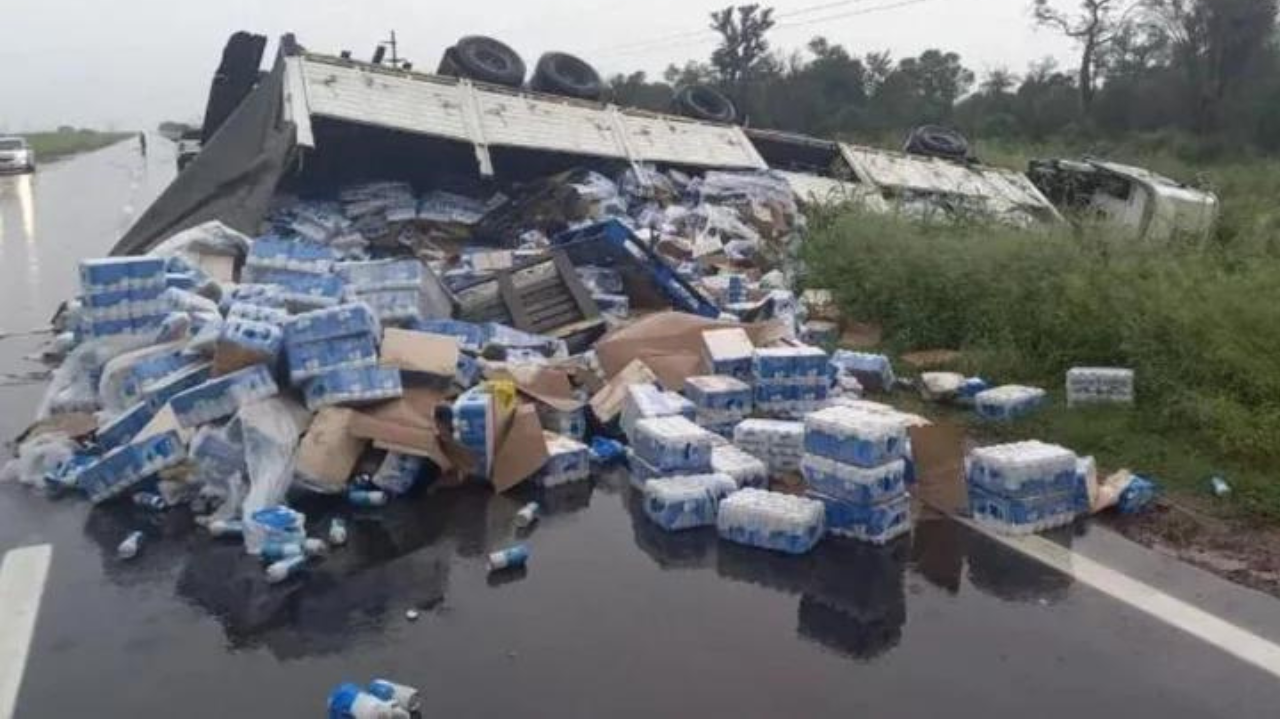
(660, 41)
(675, 42)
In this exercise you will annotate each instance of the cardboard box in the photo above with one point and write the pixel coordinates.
(420, 352)
(328, 453)
(607, 403)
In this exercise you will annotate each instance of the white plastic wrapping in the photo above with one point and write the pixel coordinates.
(270, 429)
(38, 457)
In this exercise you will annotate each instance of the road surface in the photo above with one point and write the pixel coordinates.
(612, 617)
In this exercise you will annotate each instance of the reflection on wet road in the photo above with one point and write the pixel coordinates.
(612, 617)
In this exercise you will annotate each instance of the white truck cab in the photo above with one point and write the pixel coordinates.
(1132, 201)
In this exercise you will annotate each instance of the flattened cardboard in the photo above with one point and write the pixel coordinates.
(406, 424)
(228, 358)
(522, 450)
(329, 452)
(76, 425)
(548, 385)
(607, 403)
(420, 352)
(665, 335)
(938, 450)
(219, 267)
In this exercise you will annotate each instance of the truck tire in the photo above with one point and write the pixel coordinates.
(937, 141)
(703, 102)
(563, 74)
(484, 59)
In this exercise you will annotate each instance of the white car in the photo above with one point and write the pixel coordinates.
(16, 155)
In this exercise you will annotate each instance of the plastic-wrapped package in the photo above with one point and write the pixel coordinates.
(868, 363)
(349, 319)
(258, 313)
(687, 501)
(163, 389)
(746, 469)
(773, 521)
(779, 443)
(125, 378)
(570, 423)
(853, 484)
(600, 279)
(728, 352)
(474, 425)
(222, 396)
(270, 430)
(288, 254)
(1099, 385)
(122, 428)
(398, 472)
(74, 386)
(567, 461)
(353, 385)
(446, 207)
(128, 465)
(274, 524)
(260, 338)
(854, 437)
(1008, 402)
(646, 400)
(673, 444)
(1027, 514)
(310, 359)
(218, 467)
(376, 275)
(1022, 468)
(38, 457)
(874, 523)
(718, 399)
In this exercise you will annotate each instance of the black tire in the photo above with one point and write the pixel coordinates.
(937, 141)
(563, 74)
(703, 102)
(484, 59)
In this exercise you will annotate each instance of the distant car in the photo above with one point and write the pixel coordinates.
(16, 155)
(188, 148)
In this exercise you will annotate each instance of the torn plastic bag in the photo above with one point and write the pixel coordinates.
(217, 458)
(211, 238)
(39, 457)
(74, 386)
(270, 429)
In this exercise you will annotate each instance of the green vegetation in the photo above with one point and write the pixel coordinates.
(1199, 323)
(69, 141)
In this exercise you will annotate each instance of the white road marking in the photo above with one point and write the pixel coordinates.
(22, 579)
(1231, 639)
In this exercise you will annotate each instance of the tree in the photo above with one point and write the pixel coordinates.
(923, 89)
(743, 47)
(1216, 43)
(1093, 28)
(998, 82)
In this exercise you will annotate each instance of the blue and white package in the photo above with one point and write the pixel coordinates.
(600, 280)
(290, 255)
(720, 401)
(349, 386)
(875, 523)
(161, 390)
(471, 337)
(349, 319)
(686, 501)
(122, 428)
(349, 701)
(642, 472)
(746, 469)
(305, 291)
(258, 313)
(673, 444)
(394, 306)
(128, 465)
(773, 521)
(779, 443)
(255, 294)
(309, 359)
(570, 423)
(789, 363)
(1023, 468)
(1027, 514)
(567, 461)
(1008, 402)
(728, 351)
(646, 400)
(866, 364)
(398, 472)
(853, 484)
(377, 275)
(260, 338)
(222, 396)
(142, 376)
(274, 525)
(473, 425)
(613, 304)
(114, 274)
(854, 437)
(1099, 385)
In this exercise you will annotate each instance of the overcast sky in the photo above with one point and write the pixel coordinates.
(131, 63)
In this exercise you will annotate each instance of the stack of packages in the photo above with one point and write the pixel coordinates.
(720, 402)
(393, 288)
(670, 460)
(122, 296)
(646, 400)
(333, 355)
(770, 520)
(1025, 487)
(790, 381)
(474, 424)
(1008, 402)
(302, 270)
(568, 461)
(778, 443)
(854, 464)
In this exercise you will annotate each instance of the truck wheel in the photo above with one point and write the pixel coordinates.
(563, 74)
(703, 102)
(484, 59)
(937, 141)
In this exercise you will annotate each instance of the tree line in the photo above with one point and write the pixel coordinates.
(1210, 68)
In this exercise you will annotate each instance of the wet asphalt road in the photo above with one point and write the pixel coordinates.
(612, 617)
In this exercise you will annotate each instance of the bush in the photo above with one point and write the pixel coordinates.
(1200, 326)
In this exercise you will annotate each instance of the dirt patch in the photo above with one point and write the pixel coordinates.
(1242, 552)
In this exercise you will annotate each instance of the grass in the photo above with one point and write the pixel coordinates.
(1200, 325)
(69, 141)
